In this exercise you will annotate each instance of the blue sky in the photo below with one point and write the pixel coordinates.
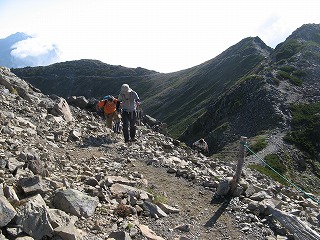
(161, 35)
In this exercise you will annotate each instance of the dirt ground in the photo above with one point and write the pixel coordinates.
(208, 217)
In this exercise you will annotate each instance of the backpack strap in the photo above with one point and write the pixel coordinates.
(102, 108)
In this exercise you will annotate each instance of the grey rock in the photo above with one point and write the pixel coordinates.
(7, 211)
(59, 218)
(61, 108)
(10, 193)
(259, 196)
(75, 202)
(32, 215)
(3, 162)
(119, 236)
(78, 101)
(31, 185)
(167, 209)
(154, 210)
(14, 164)
(224, 187)
(69, 232)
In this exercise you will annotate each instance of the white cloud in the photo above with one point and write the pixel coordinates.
(32, 47)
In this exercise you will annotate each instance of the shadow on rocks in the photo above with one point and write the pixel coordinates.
(224, 203)
(96, 141)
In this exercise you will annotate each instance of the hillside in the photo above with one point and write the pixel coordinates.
(63, 175)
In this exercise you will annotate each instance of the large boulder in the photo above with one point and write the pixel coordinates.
(75, 202)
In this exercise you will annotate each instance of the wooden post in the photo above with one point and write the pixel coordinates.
(236, 178)
(242, 155)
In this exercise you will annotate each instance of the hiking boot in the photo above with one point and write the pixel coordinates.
(126, 141)
(133, 140)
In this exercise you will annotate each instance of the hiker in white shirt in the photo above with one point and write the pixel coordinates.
(201, 145)
(129, 100)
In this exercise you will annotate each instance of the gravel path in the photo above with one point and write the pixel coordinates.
(207, 217)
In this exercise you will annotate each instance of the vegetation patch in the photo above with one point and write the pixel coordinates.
(158, 198)
(282, 61)
(283, 74)
(14, 91)
(295, 80)
(130, 225)
(305, 132)
(290, 74)
(288, 49)
(253, 77)
(223, 127)
(287, 68)
(316, 166)
(268, 172)
(299, 73)
(258, 143)
(276, 164)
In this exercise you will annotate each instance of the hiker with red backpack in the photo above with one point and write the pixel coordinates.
(129, 101)
(108, 106)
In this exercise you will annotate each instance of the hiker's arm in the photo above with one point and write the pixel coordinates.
(98, 106)
(137, 99)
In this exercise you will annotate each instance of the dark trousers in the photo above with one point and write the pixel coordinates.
(129, 118)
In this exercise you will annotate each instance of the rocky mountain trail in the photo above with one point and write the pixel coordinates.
(64, 175)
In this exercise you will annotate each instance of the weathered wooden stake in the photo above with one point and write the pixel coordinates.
(242, 155)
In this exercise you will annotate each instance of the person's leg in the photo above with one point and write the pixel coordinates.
(109, 120)
(113, 121)
(133, 118)
(125, 125)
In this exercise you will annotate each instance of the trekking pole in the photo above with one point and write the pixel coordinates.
(139, 115)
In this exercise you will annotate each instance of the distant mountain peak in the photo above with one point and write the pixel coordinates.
(22, 50)
(307, 32)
